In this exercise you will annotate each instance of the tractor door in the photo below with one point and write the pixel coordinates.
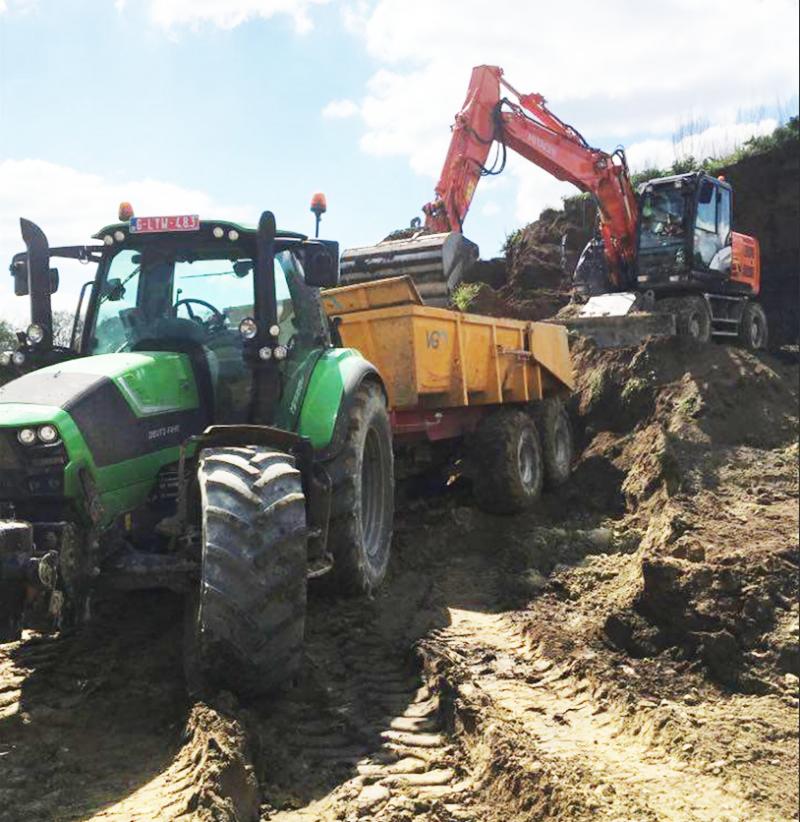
(712, 228)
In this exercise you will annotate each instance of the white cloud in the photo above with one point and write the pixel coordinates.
(713, 141)
(632, 70)
(70, 205)
(340, 110)
(3, 6)
(229, 14)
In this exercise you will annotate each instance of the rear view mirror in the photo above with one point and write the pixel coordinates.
(320, 260)
(114, 290)
(19, 271)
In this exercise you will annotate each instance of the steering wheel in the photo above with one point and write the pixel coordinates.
(215, 321)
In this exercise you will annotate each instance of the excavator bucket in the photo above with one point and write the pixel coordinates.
(437, 263)
(619, 321)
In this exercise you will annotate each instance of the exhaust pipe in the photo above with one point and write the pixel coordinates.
(40, 281)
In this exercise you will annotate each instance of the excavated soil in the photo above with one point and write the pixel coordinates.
(628, 650)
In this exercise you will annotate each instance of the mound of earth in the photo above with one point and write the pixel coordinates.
(702, 441)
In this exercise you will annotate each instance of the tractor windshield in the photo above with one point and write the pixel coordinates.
(663, 212)
(161, 294)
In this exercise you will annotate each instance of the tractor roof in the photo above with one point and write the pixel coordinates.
(244, 230)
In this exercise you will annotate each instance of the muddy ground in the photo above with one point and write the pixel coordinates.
(627, 651)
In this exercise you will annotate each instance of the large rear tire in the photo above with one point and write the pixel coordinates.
(246, 633)
(362, 508)
(753, 329)
(507, 462)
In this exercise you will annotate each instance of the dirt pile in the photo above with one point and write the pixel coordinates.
(702, 442)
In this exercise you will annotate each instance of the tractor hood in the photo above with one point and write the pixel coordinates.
(108, 408)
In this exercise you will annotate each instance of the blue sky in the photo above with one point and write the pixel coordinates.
(228, 107)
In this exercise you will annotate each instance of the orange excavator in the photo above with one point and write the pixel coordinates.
(667, 249)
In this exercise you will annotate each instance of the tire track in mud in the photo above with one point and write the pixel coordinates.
(576, 753)
(362, 736)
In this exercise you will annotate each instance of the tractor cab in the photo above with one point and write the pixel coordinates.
(238, 301)
(686, 237)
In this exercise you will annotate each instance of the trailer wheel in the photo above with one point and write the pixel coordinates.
(555, 428)
(246, 631)
(692, 318)
(362, 507)
(508, 467)
(753, 329)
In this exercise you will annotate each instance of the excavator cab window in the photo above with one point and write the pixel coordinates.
(712, 250)
(663, 209)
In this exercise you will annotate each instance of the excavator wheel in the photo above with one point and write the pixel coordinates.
(245, 626)
(692, 318)
(753, 330)
(507, 463)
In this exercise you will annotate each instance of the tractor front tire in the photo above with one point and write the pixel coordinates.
(555, 429)
(362, 507)
(753, 330)
(507, 462)
(246, 631)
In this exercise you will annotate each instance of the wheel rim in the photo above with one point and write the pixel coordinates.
(755, 333)
(527, 460)
(372, 492)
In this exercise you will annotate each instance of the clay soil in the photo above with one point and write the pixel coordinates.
(627, 651)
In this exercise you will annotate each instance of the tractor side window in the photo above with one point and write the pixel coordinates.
(117, 304)
(707, 208)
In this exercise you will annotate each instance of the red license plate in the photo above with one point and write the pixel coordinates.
(151, 225)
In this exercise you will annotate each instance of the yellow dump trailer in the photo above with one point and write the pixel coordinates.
(433, 358)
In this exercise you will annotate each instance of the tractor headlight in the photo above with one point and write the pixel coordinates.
(48, 434)
(248, 328)
(27, 436)
(35, 333)
(5, 358)
(18, 358)
(265, 353)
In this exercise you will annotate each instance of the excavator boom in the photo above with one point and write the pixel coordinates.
(525, 125)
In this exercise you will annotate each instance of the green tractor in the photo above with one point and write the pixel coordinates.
(203, 433)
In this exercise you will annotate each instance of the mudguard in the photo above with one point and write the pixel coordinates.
(333, 385)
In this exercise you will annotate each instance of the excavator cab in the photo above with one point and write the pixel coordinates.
(685, 236)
